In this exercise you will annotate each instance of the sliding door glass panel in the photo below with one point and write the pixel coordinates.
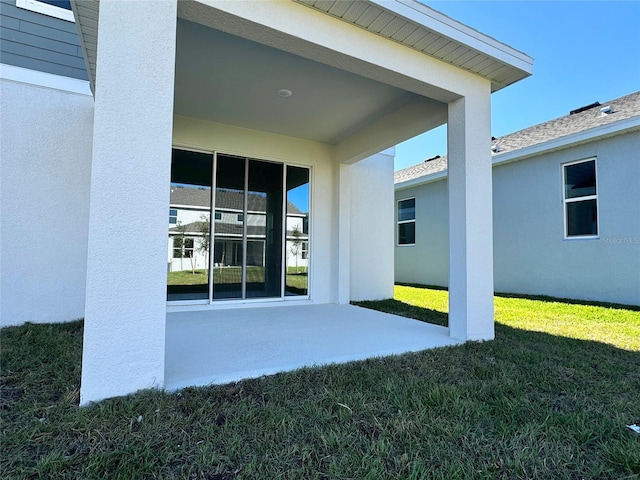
(228, 227)
(189, 226)
(264, 230)
(297, 246)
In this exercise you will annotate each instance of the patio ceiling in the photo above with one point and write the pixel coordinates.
(227, 79)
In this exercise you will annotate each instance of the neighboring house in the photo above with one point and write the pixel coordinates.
(566, 209)
(295, 103)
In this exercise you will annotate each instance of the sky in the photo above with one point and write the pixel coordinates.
(583, 51)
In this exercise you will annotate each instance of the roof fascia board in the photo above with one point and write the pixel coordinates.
(458, 32)
(593, 134)
(414, 182)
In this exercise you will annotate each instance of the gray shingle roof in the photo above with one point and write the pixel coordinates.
(225, 199)
(622, 108)
(192, 196)
(222, 228)
(432, 165)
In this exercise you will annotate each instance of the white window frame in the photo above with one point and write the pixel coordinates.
(46, 9)
(400, 222)
(566, 200)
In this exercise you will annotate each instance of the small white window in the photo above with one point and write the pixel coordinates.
(407, 221)
(580, 199)
(53, 8)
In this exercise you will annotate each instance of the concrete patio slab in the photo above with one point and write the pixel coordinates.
(221, 346)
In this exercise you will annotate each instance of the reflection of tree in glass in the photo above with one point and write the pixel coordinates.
(204, 241)
(296, 243)
(179, 241)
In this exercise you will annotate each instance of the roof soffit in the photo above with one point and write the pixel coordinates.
(428, 31)
(86, 14)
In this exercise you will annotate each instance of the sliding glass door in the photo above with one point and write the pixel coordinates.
(259, 236)
(189, 226)
(228, 227)
(264, 230)
(297, 265)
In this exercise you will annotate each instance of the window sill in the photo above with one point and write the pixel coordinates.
(582, 237)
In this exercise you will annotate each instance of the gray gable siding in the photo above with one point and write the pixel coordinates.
(39, 42)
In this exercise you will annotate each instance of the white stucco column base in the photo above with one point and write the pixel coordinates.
(343, 293)
(125, 313)
(470, 217)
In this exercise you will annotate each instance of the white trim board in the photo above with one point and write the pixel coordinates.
(43, 79)
(46, 9)
(459, 32)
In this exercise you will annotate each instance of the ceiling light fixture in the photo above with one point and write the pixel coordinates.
(284, 93)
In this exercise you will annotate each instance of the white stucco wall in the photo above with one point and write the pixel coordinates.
(371, 226)
(45, 157)
(531, 255)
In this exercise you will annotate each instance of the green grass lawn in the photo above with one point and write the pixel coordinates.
(548, 399)
(233, 275)
(187, 277)
(618, 325)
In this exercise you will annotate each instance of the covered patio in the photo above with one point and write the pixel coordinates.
(226, 345)
(330, 87)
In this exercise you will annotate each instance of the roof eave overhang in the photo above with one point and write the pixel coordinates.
(86, 13)
(404, 21)
(421, 28)
(416, 182)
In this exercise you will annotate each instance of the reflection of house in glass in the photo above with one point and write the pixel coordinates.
(190, 230)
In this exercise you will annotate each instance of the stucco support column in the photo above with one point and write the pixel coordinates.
(124, 332)
(470, 217)
(372, 227)
(344, 234)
